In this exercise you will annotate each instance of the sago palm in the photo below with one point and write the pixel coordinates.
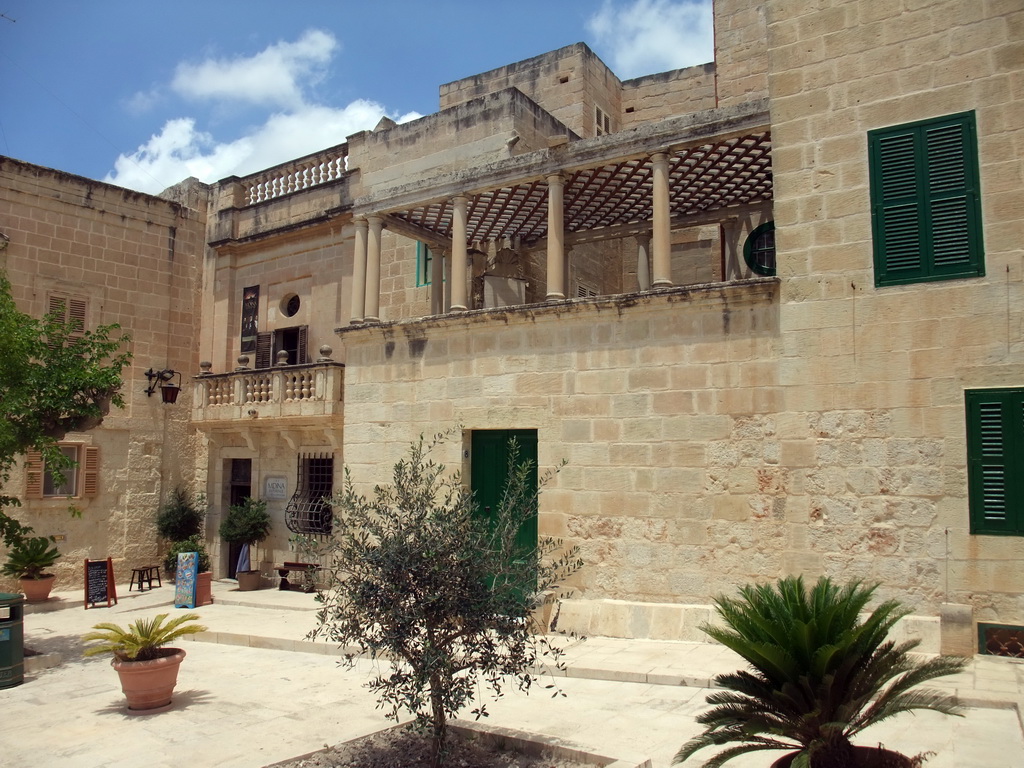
(820, 674)
(143, 638)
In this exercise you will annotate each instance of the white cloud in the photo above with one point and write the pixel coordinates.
(180, 150)
(276, 75)
(649, 36)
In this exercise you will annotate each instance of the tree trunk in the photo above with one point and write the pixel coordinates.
(440, 724)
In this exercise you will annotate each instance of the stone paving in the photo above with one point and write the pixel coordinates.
(253, 692)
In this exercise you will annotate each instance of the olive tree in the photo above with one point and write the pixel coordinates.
(418, 577)
(55, 378)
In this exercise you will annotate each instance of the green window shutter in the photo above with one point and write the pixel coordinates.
(424, 257)
(925, 202)
(995, 451)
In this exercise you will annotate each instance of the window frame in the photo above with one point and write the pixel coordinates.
(424, 264)
(748, 250)
(921, 184)
(85, 474)
(995, 446)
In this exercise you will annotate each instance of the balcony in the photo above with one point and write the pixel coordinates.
(288, 395)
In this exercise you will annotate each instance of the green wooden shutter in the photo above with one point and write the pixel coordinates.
(925, 202)
(995, 451)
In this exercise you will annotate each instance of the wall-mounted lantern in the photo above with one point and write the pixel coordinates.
(168, 391)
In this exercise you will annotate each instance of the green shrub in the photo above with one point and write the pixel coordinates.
(419, 578)
(819, 674)
(30, 557)
(143, 638)
(246, 523)
(180, 517)
(193, 544)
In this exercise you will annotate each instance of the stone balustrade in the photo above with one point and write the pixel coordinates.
(287, 392)
(306, 172)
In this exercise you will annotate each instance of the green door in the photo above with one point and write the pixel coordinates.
(490, 471)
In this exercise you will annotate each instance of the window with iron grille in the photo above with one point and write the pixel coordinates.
(309, 510)
(925, 201)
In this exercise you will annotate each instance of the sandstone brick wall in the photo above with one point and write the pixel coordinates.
(741, 48)
(662, 406)
(667, 94)
(310, 265)
(135, 258)
(568, 83)
(874, 378)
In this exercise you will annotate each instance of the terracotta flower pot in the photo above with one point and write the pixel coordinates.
(149, 684)
(863, 757)
(249, 580)
(204, 588)
(37, 590)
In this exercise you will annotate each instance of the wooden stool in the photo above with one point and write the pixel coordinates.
(140, 577)
(143, 577)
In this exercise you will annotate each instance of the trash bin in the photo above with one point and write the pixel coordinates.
(12, 640)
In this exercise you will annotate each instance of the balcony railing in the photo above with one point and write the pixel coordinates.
(299, 174)
(289, 391)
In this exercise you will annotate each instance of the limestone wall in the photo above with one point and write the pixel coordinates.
(472, 133)
(741, 47)
(668, 94)
(874, 378)
(568, 83)
(310, 263)
(663, 407)
(135, 260)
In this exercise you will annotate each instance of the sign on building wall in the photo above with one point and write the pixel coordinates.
(250, 311)
(275, 488)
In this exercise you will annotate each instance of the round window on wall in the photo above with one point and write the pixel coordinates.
(290, 305)
(759, 250)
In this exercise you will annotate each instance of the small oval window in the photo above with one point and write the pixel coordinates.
(290, 305)
(759, 250)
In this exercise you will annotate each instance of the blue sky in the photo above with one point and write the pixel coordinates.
(144, 94)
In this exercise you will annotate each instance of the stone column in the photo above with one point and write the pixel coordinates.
(437, 283)
(643, 262)
(359, 273)
(460, 206)
(661, 240)
(376, 225)
(556, 238)
(446, 300)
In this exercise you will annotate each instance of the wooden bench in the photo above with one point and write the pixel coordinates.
(283, 569)
(143, 577)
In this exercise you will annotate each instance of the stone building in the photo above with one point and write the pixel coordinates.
(101, 255)
(768, 308)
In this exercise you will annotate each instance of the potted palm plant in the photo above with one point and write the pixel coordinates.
(148, 671)
(248, 524)
(819, 676)
(27, 561)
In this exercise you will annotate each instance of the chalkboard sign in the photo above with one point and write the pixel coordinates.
(99, 583)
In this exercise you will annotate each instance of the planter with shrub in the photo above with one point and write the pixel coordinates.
(27, 561)
(148, 671)
(819, 675)
(248, 524)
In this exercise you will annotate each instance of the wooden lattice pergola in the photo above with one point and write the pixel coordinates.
(705, 178)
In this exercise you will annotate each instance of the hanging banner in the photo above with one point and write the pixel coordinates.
(250, 312)
(185, 580)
